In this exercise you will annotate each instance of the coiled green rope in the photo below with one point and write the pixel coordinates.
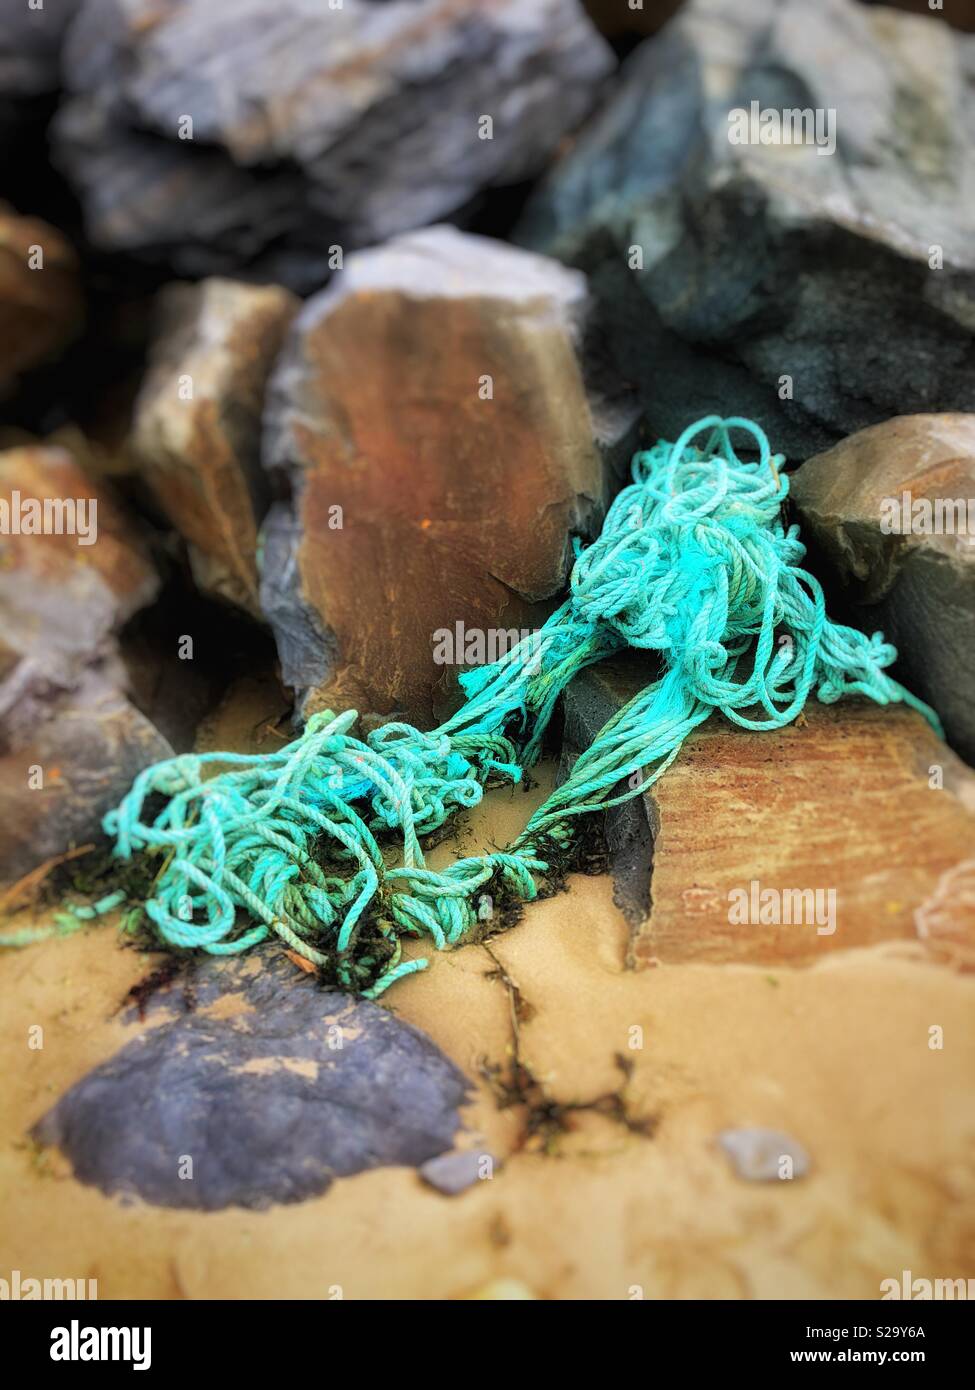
(693, 562)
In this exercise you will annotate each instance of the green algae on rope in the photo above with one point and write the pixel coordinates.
(693, 562)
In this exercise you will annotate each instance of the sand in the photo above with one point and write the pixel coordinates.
(631, 1198)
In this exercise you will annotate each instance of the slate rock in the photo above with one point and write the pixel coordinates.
(856, 801)
(87, 740)
(757, 1154)
(199, 452)
(918, 588)
(779, 283)
(418, 501)
(40, 308)
(270, 1085)
(313, 125)
(63, 706)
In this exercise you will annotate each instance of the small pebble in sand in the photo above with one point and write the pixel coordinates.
(764, 1155)
(455, 1171)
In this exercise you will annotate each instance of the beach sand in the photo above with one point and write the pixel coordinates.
(606, 1185)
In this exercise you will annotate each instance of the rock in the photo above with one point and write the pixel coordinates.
(40, 308)
(960, 13)
(454, 1172)
(63, 594)
(30, 42)
(850, 818)
(70, 740)
(266, 1090)
(431, 417)
(764, 1155)
(914, 584)
(67, 756)
(200, 453)
(817, 293)
(590, 702)
(617, 20)
(313, 126)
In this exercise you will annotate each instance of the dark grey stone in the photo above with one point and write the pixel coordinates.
(90, 742)
(765, 261)
(30, 42)
(259, 1097)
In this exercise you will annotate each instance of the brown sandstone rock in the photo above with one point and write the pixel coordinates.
(859, 800)
(63, 595)
(918, 588)
(199, 452)
(40, 309)
(430, 413)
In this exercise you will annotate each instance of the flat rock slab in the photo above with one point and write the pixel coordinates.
(892, 509)
(852, 817)
(259, 1088)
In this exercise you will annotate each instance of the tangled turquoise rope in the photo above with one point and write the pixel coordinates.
(693, 562)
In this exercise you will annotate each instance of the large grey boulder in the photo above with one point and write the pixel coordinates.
(816, 292)
(311, 126)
